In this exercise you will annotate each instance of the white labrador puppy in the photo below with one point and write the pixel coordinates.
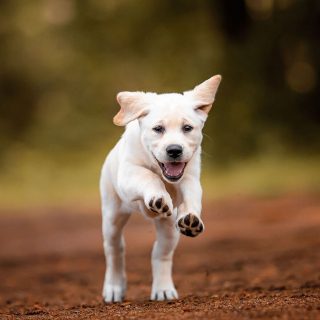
(154, 169)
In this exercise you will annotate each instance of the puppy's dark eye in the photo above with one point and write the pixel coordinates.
(187, 128)
(158, 129)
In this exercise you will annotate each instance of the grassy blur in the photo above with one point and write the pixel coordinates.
(74, 182)
(263, 175)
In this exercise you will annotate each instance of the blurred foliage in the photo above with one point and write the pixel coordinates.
(62, 62)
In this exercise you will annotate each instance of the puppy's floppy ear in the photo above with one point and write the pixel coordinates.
(133, 106)
(204, 94)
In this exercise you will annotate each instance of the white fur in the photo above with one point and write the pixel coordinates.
(131, 177)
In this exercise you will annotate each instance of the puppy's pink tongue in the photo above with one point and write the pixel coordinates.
(174, 168)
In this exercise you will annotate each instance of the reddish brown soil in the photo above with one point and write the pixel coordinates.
(258, 258)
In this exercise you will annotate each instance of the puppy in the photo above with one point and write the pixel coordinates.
(154, 169)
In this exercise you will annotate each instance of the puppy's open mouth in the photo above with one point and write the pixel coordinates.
(172, 171)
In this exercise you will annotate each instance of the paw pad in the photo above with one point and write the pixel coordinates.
(190, 225)
(159, 206)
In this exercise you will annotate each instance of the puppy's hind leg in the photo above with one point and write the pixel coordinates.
(162, 254)
(113, 221)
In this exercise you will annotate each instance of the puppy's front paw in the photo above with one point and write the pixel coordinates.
(160, 205)
(190, 225)
(113, 292)
(163, 295)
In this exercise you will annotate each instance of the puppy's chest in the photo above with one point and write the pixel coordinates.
(175, 194)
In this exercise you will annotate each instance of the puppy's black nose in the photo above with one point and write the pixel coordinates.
(174, 151)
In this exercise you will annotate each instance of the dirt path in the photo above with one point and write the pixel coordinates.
(258, 258)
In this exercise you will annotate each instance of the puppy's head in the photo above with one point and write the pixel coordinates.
(170, 124)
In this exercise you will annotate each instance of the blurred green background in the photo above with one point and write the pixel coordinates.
(62, 62)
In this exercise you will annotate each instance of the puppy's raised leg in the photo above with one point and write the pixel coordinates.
(162, 254)
(189, 222)
(138, 183)
(115, 284)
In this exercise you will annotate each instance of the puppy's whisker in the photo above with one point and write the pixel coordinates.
(206, 154)
(207, 136)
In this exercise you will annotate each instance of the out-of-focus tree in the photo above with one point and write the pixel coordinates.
(63, 61)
